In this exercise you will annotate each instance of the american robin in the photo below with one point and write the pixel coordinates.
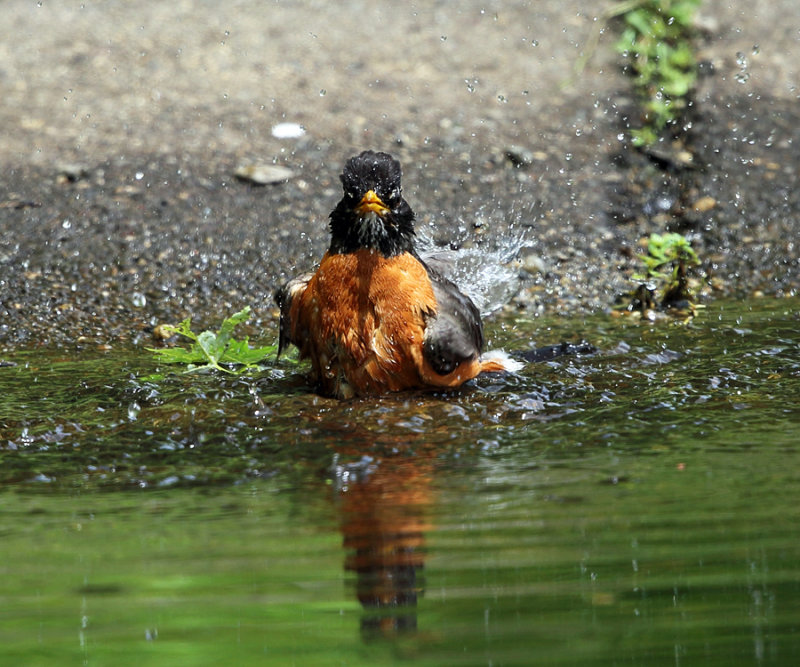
(374, 318)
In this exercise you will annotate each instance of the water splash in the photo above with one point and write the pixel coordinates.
(490, 277)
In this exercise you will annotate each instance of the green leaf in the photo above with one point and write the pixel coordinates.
(641, 20)
(683, 12)
(178, 355)
(211, 350)
(183, 329)
(240, 352)
(230, 323)
(626, 43)
(644, 136)
(210, 346)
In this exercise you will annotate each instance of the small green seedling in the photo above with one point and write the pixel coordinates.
(212, 350)
(667, 260)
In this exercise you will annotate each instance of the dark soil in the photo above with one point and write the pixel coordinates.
(119, 208)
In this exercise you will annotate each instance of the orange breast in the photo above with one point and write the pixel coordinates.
(361, 322)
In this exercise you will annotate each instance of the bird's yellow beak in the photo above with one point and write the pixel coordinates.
(371, 203)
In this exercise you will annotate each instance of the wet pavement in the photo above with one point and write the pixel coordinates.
(124, 127)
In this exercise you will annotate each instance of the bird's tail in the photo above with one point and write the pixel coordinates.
(498, 361)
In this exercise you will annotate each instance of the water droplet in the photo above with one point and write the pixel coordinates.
(443, 38)
(756, 49)
(133, 411)
(502, 98)
(66, 224)
(138, 300)
(323, 92)
(139, 175)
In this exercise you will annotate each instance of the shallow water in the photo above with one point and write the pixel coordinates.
(637, 506)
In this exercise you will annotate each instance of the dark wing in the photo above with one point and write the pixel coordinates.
(454, 334)
(284, 296)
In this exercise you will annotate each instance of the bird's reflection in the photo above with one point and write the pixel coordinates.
(384, 507)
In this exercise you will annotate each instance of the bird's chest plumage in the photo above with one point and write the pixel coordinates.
(363, 316)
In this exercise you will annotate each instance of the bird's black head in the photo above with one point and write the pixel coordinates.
(372, 214)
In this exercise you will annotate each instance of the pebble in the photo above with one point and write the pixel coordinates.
(520, 156)
(704, 204)
(71, 173)
(288, 131)
(262, 174)
(163, 332)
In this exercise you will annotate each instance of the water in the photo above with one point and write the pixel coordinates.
(640, 506)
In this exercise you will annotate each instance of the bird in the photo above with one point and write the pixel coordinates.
(374, 317)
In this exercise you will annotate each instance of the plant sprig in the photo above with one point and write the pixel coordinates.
(213, 349)
(657, 43)
(668, 258)
(664, 250)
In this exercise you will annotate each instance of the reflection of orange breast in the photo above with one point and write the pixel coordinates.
(384, 521)
(361, 321)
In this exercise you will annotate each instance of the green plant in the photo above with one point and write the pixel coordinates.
(211, 350)
(657, 41)
(667, 260)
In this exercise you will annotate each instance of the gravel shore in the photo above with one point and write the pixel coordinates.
(125, 124)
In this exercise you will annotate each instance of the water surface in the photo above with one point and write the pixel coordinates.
(637, 506)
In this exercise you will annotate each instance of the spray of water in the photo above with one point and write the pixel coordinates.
(489, 276)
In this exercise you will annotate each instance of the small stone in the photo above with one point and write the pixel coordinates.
(288, 131)
(71, 173)
(534, 264)
(262, 174)
(520, 156)
(163, 332)
(704, 204)
(128, 190)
